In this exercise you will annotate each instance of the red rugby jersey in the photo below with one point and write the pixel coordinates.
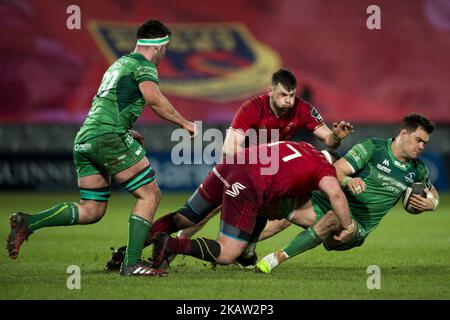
(256, 114)
(299, 165)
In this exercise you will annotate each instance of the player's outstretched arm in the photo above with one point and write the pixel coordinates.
(330, 186)
(162, 106)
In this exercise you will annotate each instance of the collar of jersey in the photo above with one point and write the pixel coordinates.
(394, 159)
(137, 56)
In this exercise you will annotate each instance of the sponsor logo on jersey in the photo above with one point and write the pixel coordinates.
(129, 139)
(361, 148)
(386, 162)
(391, 184)
(399, 164)
(218, 175)
(235, 189)
(316, 115)
(410, 177)
(208, 61)
(354, 155)
(82, 147)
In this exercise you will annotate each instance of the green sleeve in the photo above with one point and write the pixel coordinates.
(146, 72)
(360, 154)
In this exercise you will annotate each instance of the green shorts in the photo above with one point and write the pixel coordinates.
(109, 153)
(321, 206)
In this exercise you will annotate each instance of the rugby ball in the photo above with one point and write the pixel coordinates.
(415, 188)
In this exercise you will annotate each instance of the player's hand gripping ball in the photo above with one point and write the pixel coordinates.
(415, 188)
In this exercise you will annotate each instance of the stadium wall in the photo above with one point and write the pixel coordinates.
(221, 54)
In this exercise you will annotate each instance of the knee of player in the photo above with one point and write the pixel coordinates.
(151, 193)
(157, 193)
(228, 255)
(225, 259)
(90, 213)
(97, 216)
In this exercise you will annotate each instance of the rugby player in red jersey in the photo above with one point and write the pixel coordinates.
(280, 110)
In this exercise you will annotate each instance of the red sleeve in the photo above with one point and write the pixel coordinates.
(246, 117)
(311, 118)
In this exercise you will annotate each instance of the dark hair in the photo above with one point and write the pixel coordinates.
(414, 120)
(152, 29)
(286, 78)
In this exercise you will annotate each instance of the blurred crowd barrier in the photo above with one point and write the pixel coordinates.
(221, 53)
(39, 157)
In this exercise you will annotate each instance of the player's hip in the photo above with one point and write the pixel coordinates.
(108, 153)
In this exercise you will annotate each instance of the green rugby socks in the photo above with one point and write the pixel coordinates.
(138, 229)
(63, 214)
(305, 240)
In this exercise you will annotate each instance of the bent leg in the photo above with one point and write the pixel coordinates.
(86, 211)
(305, 240)
(248, 256)
(94, 195)
(190, 231)
(193, 211)
(138, 179)
(231, 248)
(294, 210)
(224, 250)
(62, 214)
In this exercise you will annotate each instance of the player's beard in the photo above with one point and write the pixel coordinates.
(280, 111)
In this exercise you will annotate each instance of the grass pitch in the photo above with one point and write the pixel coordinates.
(412, 252)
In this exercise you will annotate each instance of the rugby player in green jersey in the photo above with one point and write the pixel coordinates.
(104, 147)
(374, 174)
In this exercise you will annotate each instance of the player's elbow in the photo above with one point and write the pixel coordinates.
(155, 106)
(154, 100)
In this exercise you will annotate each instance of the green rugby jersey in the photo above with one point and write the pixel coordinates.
(385, 177)
(118, 102)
